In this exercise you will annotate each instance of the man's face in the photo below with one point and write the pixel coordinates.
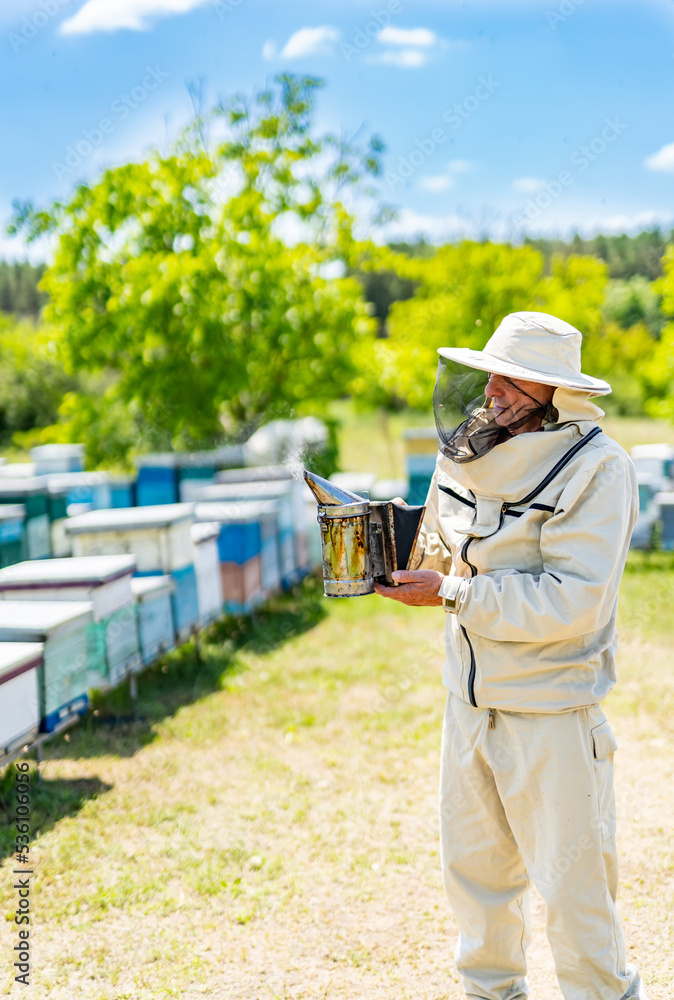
(513, 398)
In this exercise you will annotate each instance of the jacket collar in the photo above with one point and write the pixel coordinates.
(514, 467)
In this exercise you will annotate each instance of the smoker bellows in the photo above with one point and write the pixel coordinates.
(362, 540)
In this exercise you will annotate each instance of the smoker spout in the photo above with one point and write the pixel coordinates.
(326, 493)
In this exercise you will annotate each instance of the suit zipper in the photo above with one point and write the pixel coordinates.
(464, 556)
(471, 674)
(473, 666)
(504, 509)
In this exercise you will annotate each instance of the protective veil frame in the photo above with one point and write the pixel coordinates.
(467, 423)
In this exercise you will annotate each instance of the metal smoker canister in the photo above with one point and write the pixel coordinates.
(345, 542)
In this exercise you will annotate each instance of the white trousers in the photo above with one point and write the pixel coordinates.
(532, 799)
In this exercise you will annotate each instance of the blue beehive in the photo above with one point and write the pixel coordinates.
(122, 491)
(83, 487)
(255, 526)
(665, 505)
(185, 601)
(421, 452)
(281, 491)
(299, 493)
(32, 493)
(248, 550)
(157, 480)
(12, 528)
(195, 469)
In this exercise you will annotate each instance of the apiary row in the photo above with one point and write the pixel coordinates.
(139, 580)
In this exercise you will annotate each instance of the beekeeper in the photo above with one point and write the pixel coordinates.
(524, 540)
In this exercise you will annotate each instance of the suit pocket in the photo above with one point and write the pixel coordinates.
(603, 741)
(604, 746)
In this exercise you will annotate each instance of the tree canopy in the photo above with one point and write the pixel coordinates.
(204, 289)
(461, 294)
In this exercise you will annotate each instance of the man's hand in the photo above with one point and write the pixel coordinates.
(419, 588)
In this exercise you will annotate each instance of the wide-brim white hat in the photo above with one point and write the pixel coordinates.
(535, 347)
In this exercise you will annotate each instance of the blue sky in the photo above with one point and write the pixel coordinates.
(498, 117)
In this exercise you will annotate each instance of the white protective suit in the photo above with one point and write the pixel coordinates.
(532, 537)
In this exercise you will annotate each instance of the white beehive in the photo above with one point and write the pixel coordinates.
(105, 581)
(205, 536)
(159, 536)
(154, 607)
(62, 629)
(20, 715)
(655, 460)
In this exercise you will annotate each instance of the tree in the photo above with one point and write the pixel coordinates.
(32, 382)
(19, 288)
(659, 369)
(195, 287)
(462, 293)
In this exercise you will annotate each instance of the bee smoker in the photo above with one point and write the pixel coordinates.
(361, 540)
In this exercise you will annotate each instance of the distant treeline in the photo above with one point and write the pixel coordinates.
(19, 293)
(625, 256)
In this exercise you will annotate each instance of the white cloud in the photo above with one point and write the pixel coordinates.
(423, 37)
(310, 41)
(663, 160)
(564, 222)
(407, 58)
(631, 223)
(459, 166)
(269, 50)
(439, 182)
(528, 185)
(110, 15)
(410, 225)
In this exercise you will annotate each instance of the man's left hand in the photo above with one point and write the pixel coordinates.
(419, 588)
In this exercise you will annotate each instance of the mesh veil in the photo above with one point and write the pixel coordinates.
(465, 417)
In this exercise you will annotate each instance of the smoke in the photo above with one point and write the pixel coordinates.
(294, 461)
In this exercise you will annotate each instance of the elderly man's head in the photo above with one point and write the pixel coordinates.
(513, 398)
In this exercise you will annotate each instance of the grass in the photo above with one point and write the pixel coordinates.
(269, 828)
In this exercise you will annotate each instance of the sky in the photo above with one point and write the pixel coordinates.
(499, 118)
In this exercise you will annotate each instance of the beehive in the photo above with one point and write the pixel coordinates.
(154, 609)
(20, 715)
(62, 629)
(105, 581)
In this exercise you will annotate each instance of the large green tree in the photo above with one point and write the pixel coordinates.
(201, 290)
(461, 294)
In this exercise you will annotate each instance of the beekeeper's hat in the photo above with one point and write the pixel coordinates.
(532, 346)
